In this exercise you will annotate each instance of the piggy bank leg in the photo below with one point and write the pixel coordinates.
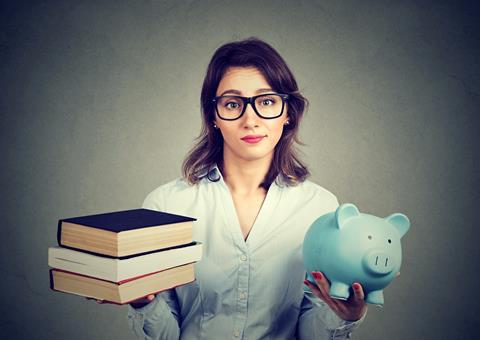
(339, 290)
(375, 297)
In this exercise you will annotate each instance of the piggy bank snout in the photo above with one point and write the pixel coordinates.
(378, 261)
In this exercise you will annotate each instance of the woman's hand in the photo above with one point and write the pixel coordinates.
(135, 304)
(350, 310)
(142, 301)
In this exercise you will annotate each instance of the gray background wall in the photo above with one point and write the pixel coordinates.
(100, 102)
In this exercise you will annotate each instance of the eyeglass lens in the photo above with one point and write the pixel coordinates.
(268, 106)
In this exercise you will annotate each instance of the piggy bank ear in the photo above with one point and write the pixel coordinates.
(345, 212)
(400, 222)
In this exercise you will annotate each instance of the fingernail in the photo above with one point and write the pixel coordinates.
(356, 286)
(317, 275)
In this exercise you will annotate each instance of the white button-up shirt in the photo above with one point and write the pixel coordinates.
(248, 289)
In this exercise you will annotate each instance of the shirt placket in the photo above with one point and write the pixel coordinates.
(243, 265)
(242, 295)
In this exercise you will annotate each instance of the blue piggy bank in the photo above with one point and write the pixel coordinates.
(349, 246)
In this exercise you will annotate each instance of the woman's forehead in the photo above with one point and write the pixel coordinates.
(243, 79)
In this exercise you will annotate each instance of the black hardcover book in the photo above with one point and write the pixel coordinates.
(112, 233)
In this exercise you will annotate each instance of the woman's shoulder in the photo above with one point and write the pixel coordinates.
(309, 186)
(173, 190)
(313, 192)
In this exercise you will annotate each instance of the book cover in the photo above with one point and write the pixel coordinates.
(124, 220)
(123, 233)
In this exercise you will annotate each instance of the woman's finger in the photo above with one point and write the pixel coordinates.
(322, 282)
(359, 295)
(314, 289)
(105, 302)
(324, 288)
(96, 300)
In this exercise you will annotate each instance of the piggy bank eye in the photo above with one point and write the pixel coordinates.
(369, 237)
(389, 241)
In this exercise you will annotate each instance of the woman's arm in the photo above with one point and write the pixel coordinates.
(159, 319)
(317, 320)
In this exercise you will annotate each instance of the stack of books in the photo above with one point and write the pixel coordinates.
(122, 256)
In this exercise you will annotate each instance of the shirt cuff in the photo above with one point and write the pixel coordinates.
(344, 330)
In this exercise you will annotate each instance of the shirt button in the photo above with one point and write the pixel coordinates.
(236, 333)
(243, 296)
(243, 258)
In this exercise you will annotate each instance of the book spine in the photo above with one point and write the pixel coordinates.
(50, 272)
(59, 232)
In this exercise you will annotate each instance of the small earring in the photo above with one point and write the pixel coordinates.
(215, 126)
(286, 123)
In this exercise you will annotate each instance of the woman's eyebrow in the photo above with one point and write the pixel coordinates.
(231, 91)
(264, 90)
(237, 92)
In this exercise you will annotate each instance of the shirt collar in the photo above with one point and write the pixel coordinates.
(213, 174)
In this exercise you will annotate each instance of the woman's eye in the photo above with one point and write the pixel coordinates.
(231, 105)
(267, 102)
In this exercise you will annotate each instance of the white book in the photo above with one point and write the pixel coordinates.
(117, 270)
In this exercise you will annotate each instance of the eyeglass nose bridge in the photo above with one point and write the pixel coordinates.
(251, 101)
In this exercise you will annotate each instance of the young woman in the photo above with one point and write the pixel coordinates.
(248, 190)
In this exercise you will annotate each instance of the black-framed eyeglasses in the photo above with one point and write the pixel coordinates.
(267, 106)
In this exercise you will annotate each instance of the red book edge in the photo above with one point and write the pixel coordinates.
(117, 283)
(118, 303)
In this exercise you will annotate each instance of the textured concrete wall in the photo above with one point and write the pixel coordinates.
(99, 102)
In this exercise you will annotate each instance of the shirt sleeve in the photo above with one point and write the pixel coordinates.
(158, 320)
(161, 318)
(318, 321)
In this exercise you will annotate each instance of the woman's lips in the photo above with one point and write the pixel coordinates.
(252, 139)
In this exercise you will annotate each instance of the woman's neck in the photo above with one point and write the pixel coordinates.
(244, 177)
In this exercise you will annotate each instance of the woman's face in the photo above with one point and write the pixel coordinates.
(250, 137)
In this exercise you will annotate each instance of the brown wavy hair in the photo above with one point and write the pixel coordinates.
(208, 148)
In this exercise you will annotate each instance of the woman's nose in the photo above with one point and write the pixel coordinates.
(250, 117)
